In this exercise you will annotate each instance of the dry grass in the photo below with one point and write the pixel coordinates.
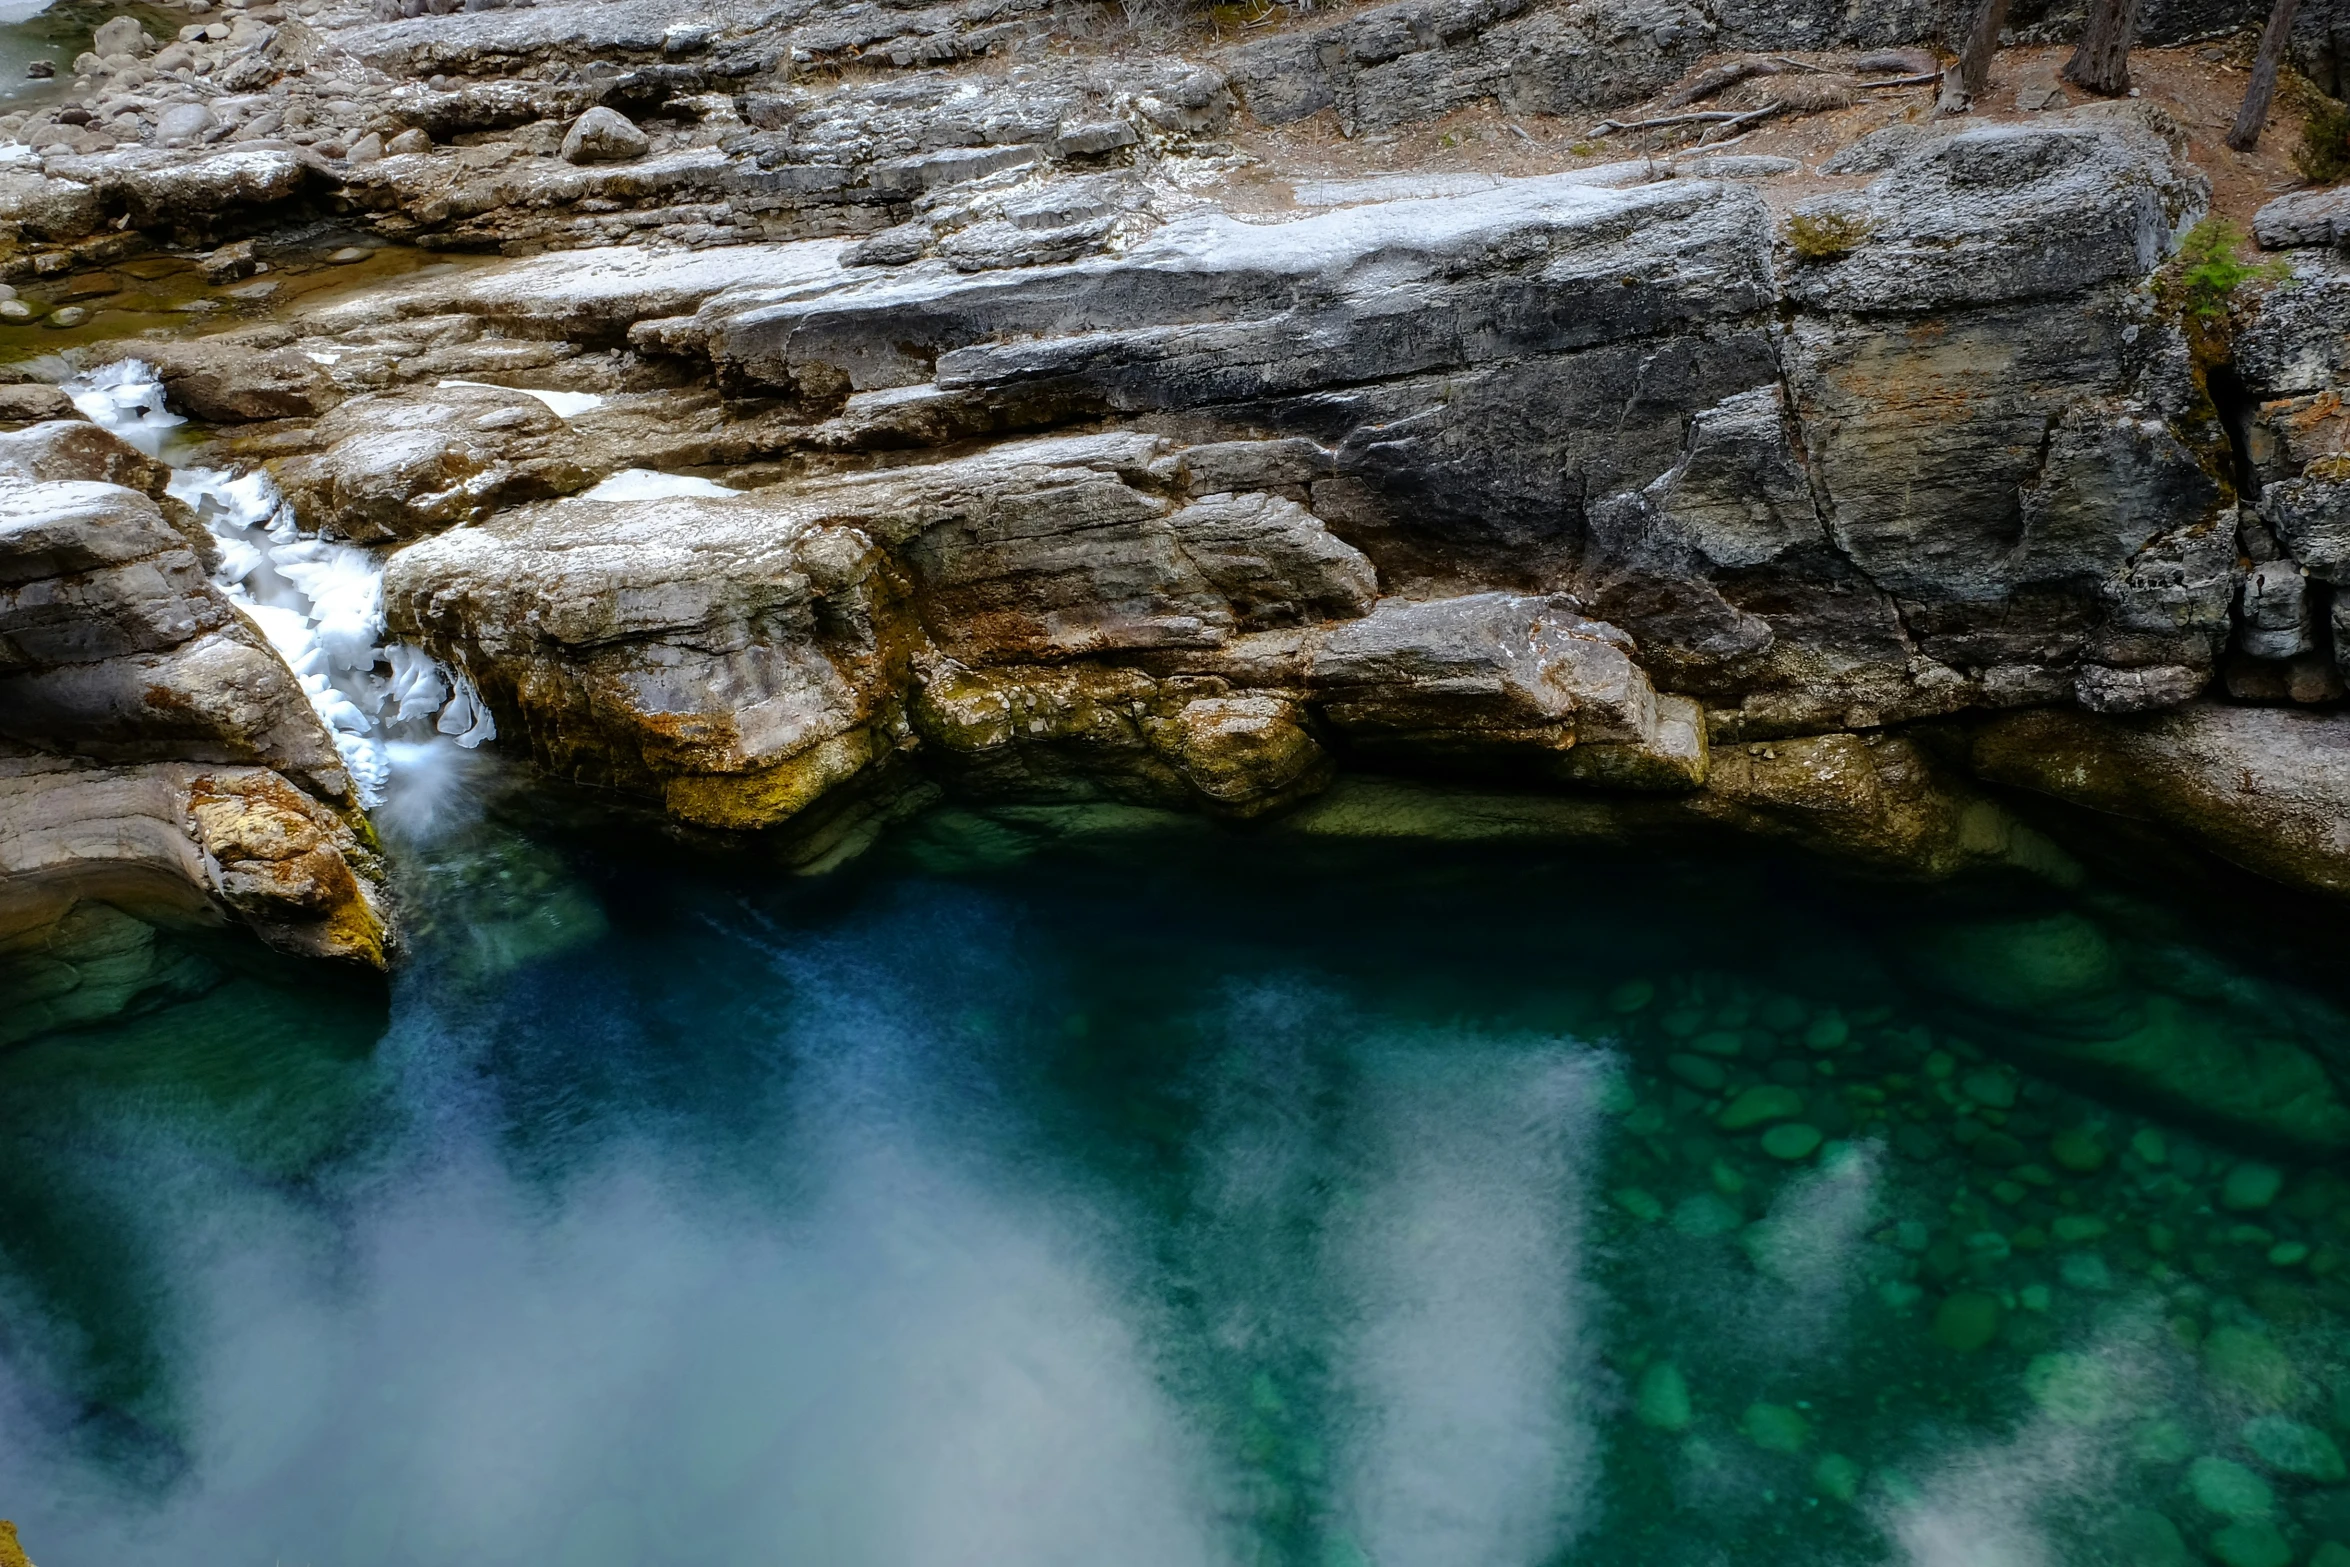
(1825, 236)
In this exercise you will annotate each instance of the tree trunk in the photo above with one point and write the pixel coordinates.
(1973, 74)
(2101, 62)
(2263, 90)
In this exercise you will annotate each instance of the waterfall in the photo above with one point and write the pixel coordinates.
(389, 706)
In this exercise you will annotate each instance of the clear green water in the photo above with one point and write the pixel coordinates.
(1162, 1196)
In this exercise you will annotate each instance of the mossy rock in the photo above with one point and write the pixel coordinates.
(2232, 1491)
(1662, 1399)
(1966, 1321)
(1775, 1428)
(2250, 1367)
(2060, 965)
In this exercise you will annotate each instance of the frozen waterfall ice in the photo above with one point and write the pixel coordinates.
(319, 602)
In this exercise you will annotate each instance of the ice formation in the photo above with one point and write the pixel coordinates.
(320, 603)
(644, 484)
(566, 405)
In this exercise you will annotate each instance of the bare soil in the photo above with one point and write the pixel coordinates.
(2199, 86)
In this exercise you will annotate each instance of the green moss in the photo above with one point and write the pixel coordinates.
(2203, 280)
(1826, 236)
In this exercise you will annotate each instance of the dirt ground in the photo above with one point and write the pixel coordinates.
(2201, 86)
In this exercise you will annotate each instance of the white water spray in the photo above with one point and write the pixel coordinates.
(1467, 1358)
(391, 708)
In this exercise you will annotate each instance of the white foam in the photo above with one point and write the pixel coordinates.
(567, 405)
(127, 398)
(1467, 1307)
(643, 484)
(318, 602)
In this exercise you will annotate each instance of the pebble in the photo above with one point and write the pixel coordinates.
(2072, 1228)
(1707, 1077)
(1837, 1476)
(1640, 1205)
(2085, 1271)
(1997, 1148)
(2075, 1388)
(1791, 1140)
(1704, 1216)
(1782, 1014)
(1987, 1087)
(1828, 1031)
(2291, 1448)
(2227, 1488)
(70, 316)
(2162, 1441)
(2144, 1538)
(1662, 1399)
(2249, 1365)
(1718, 1042)
(2148, 1144)
(2252, 1544)
(2250, 1186)
(2288, 1254)
(1765, 1102)
(1775, 1428)
(2078, 1150)
(16, 310)
(1966, 1321)
(1631, 996)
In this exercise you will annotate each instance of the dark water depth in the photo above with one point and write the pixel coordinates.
(1168, 1196)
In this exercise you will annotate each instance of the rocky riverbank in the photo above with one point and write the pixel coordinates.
(864, 406)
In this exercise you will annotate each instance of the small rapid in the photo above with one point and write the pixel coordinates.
(392, 709)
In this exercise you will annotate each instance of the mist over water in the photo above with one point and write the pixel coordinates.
(1076, 1210)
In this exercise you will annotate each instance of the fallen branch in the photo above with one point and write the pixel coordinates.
(1722, 117)
(1927, 80)
(1800, 65)
(1714, 79)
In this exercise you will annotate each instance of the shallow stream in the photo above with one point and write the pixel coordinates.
(1085, 1186)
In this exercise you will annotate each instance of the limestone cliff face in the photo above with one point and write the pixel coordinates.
(1028, 461)
(1572, 482)
(1449, 482)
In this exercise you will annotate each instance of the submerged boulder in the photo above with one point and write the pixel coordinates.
(2059, 993)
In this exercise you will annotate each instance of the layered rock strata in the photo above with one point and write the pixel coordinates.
(1022, 466)
(1453, 483)
(156, 754)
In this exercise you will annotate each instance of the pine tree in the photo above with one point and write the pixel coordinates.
(2101, 61)
(2263, 89)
